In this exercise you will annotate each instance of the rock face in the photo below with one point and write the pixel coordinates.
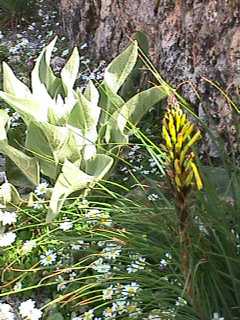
(189, 39)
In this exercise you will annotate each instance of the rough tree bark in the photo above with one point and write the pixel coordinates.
(189, 39)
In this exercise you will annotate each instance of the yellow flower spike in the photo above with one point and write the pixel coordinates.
(180, 135)
(197, 176)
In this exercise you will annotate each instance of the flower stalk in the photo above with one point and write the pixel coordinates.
(179, 136)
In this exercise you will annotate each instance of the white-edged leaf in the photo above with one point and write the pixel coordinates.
(70, 71)
(29, 166)
(12, 85)
(69, 180)
(91, 93)
(74, 179)
(120, 68)
(42, 72)
(4, 118)
(136, 107)
(27, 108)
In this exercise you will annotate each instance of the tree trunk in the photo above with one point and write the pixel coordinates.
(189, 39)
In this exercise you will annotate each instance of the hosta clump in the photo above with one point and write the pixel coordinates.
(72, 136)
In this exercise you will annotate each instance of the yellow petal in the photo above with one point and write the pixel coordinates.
(188, 179)
(196, 137)
(172, 129)
(197, 176)
(166, 137)
(177, 167)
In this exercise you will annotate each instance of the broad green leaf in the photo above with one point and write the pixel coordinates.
(74, 179)
(132, 83)
(42, 72)
(38, 144)
(45, 142)
(59, 111)
(109, 102)
(12, 85)
(16, 138)
(91, 93)
(130, 113)
(29, 166)
(98, 166)
(135, 108)
(116, 137)
(29, 109)
(119, 69)
(85, 116)
(70, 71)
(69, 180)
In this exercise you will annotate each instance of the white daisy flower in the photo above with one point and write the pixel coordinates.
(66, 225)
(153, 197)
(28, 246)
(6, 239)
(112, 252)
(72, 276)
(105, 219)
(6, 312)
(18, 286)
(28, 311)
(181, 302)
(37, 205)
(109, 312)
(7, 217)
(88, 315)
(93, 215)
(41, 189)
(216, 316)
(48, 258)
(61, 286)
(108, 293)
(120, 306)
(136, 265)
(100, 266)
(130, 289)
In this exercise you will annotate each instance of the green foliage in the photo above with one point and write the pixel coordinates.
(133, 237)
(72, 137)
